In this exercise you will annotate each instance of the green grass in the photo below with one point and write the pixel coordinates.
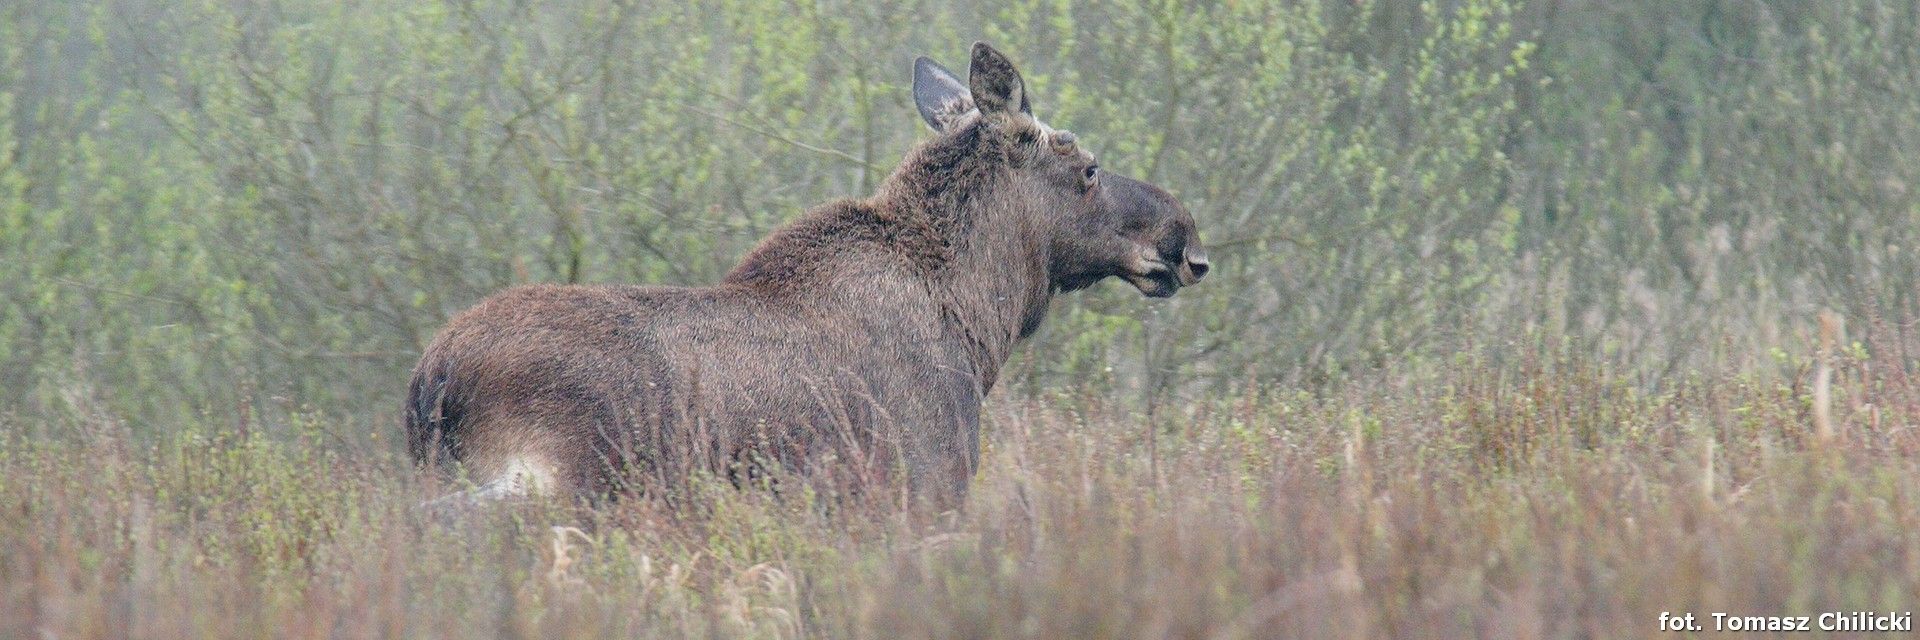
(1527, 499)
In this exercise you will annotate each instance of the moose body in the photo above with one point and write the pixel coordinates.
(856, 341)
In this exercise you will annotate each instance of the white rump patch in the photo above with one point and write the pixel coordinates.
(522, 477)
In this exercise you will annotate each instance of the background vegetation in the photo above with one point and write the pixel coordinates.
(1511, 327)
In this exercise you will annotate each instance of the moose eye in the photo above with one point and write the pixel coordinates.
(1093, 171)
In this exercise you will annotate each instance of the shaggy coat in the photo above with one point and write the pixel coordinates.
(855, 342)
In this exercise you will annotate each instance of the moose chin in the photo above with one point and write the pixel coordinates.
(857, 341)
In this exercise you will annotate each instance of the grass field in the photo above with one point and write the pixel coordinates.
(1516, 324)
(1525, 499)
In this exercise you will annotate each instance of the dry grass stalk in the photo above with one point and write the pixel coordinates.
(559, 574)
(1706, 466)
(764, 600)
(1831, 327)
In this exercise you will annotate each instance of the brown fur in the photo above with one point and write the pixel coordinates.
(856, 340)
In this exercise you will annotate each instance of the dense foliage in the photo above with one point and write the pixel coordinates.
(210, 204)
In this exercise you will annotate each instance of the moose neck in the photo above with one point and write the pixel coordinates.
(996, 286)
(992, 286)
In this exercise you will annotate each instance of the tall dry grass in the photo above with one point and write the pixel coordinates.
(1541, 497)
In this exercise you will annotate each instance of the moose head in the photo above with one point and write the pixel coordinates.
(1098, 223)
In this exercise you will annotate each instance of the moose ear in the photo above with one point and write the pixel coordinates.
(940, 96)
(996, 85)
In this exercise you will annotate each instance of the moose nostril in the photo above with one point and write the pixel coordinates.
(1199, 267)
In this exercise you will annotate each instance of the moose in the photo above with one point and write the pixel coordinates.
(858, 339)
